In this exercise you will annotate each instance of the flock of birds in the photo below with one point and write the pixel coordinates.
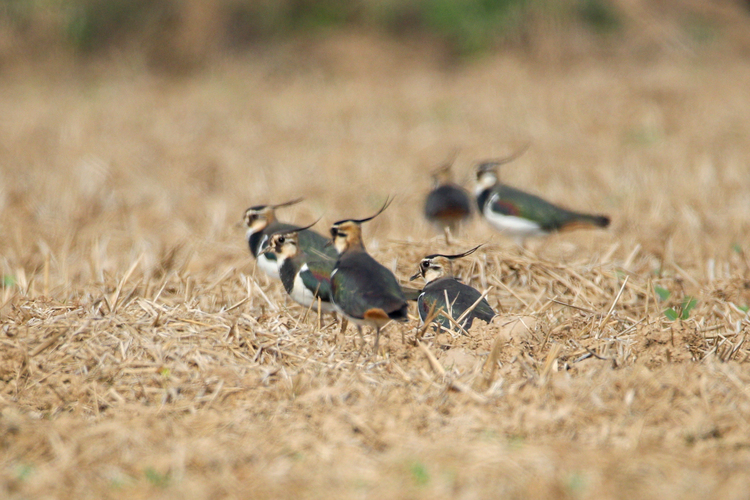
(338, 275)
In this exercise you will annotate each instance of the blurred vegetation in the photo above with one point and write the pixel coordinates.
(192, 27)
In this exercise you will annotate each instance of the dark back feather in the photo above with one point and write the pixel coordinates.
(550, 217)
(460, 295)
(361, 283)
(448, 201)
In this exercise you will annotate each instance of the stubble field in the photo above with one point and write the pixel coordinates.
(142, 355)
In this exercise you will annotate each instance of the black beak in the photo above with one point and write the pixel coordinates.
(419, 273)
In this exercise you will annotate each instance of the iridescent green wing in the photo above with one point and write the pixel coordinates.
(317, 277)
(316, 246)
(511, 201)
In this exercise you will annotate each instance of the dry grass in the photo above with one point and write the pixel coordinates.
(142, 356)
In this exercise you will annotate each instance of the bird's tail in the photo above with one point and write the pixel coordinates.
(583, 221)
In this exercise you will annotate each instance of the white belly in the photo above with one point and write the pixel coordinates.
(512, 225)
(270, 267)
(301, 295)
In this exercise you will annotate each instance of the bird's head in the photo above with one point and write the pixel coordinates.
(258, 218)
(444, 173)
(347, 234)
(284, 245)
(486, 170)
(285, 242)
(438, 265)
(486, 175)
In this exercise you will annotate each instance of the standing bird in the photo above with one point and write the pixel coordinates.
(448, 204)
(261, 222)
(364, 291)
(522, 214)
(443, 291)
(306, 278)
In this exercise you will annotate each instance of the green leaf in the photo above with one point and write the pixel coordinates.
(23, 471)
(744, 308)
(663, 293)
(577, 484)
(8, 281)
(737, 248)
(688, 303)
(156, 478)
(419, 473)
(671, 314)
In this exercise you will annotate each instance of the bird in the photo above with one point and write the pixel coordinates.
(521, 214)
(306, 279)
(447, 205)
(261, 222)
(363, 290)
(442, 291)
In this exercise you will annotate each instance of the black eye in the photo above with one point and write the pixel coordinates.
(424, 264)
(282, 239)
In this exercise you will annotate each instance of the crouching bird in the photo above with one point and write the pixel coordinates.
(306, 278)
(521, 214)
(448, 204)
(363, 290)
(261, 222)
(442, 291)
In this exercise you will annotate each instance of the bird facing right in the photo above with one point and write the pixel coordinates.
(521, 214)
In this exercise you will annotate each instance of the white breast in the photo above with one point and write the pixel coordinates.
(270, 267)
(303, 296)
(511, 224)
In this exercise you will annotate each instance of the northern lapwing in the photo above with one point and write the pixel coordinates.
(261, 222)
(448, 204)
(306, 279)
(520, 214)
(364, 290)
(442, 291)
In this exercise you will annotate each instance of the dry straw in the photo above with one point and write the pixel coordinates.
(142, 355)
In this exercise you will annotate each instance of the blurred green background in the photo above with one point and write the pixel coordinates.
(181, 35)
